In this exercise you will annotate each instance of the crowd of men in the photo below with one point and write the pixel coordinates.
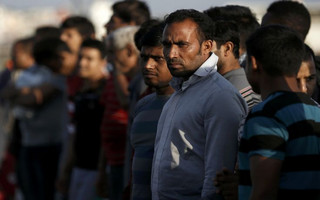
(201, 105)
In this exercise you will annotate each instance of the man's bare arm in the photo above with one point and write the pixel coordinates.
(265, 175)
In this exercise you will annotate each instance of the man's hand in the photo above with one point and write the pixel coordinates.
(226, 183)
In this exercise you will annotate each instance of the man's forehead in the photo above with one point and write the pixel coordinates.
(151, 50)
(179, 29)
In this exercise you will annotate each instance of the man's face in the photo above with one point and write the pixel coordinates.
(68, 62)
(154, 67)
(182, 49)
(21, 58)
(91, 63)
(114, 23)
(306, 76)
(73, 38)
(124, 60)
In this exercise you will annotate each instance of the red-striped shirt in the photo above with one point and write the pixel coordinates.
(114, 126)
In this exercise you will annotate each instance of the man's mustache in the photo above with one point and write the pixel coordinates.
(174, 61)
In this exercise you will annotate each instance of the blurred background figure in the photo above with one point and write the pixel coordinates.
(124, 56)
(39, 96)
(127, 13)
(87, 118)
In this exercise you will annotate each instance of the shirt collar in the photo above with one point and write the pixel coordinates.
(208, 67)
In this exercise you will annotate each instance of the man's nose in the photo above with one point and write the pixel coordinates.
(171, 52)
(303, 86)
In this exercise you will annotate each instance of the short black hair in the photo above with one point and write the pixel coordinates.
(43, 32)
(278, 49)
(83, 25)
(292, 14)
(48, 49)
(308, 53)
(153, 37)
(205, 24)
(225, 31)
(244, 18)
(96, 44)
(144, 28)
(127, 11)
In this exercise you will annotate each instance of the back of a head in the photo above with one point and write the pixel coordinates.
(48, 49)
(43, 32)
(96, 44)
(144, 28)
(121, 37)
(128, 11)
(205, 24)
(83, 25)
(225, 31)
(244, 18)
(289, 13)
(278, 49)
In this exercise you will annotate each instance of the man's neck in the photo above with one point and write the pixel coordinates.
(228, 66)
(164, 91)
(270, 85)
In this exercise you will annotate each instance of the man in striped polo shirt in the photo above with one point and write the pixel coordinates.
(227, 45)
(280, 147)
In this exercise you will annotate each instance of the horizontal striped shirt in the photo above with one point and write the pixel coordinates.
(143, 133)
(286, 126)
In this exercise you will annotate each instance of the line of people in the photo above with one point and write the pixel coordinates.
(202, 105)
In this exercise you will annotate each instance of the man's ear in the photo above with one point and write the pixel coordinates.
(254, 64)
(131, 50)
(207, 46)
(228, 48)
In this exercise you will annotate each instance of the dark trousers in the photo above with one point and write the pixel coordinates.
(38, 170)
(115, 176)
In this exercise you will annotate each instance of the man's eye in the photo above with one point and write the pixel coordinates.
(158, 59)
(310, 78)
(181, 44)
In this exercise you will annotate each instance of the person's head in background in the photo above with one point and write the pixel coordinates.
(241, 15)
(44, 32)
(92, 60)
(121, 50)
(226, 39)
(274, 53)
(288, 13)
(154, 66)
(53, 53)
(307, 73)
(22, 53)
(74, 30)
(127, 13)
